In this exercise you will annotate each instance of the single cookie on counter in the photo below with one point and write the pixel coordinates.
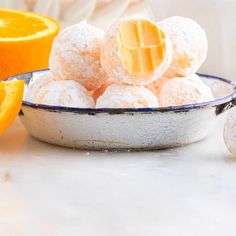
(230, 131)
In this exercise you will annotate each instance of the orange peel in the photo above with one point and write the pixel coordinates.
(10, 103)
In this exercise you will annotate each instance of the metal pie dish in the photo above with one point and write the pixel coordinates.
(135, 129)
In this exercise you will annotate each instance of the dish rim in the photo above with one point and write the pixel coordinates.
(184, 108)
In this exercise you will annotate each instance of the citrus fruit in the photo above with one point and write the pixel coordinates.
(2, 92)
(11, 94)
(25, 41)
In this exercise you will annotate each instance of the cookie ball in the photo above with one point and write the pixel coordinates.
(189, 45)
(68, 93)
(75, 55)
(126, 96)
(135, 51)
(230, 131)
(98, 92)
(36, 83)
(182, 91)
(156, 86)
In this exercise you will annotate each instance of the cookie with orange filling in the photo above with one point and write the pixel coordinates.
(135, 51)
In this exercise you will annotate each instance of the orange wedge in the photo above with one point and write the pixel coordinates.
(11, 95)
(25, 41)
(2, 92)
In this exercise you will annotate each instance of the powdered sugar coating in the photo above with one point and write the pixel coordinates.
(157, 85)
(67, 93)
(75, 55)
(112, 64)
(194, 78)
(126, 96)
(98, 92)
(189, 45)
(36, 83)
(230, 131)
(182, 91)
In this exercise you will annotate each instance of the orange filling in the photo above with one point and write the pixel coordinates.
(142, 46)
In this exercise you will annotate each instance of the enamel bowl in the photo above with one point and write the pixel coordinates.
(147, 128)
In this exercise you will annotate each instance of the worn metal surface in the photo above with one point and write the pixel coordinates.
(128, 128)
(101, 131)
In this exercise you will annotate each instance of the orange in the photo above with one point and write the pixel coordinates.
(2, 92)
(25, 41)
(11, 95)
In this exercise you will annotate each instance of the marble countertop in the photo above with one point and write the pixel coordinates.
(51, 191)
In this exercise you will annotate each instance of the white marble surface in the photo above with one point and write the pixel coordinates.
(51, 191)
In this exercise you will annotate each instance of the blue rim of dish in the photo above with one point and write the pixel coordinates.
(218, 102)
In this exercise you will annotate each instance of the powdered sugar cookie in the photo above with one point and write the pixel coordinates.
(75, 55)
(230, 131)
(98, 92)
(67, 93)
(135, 51)
(156, 86)
(126, 96)
(189, 45)
(182, 91)
(194, 78)
(36, 83)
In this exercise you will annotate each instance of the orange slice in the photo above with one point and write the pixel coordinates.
(11, 95)
(2, 92)
(25, 41)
